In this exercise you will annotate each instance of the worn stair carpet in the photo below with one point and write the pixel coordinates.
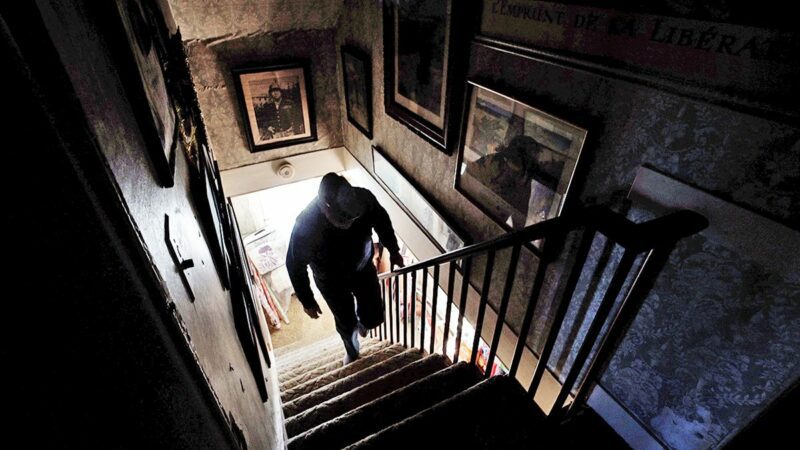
(392, 395)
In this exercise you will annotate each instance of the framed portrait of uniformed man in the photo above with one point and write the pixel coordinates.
(277, 105)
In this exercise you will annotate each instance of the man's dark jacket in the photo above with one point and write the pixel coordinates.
(332, 252)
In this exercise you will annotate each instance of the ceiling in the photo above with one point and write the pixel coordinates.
(224, 19)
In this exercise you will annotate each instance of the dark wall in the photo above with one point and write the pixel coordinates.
(130, 374)
(92, 363)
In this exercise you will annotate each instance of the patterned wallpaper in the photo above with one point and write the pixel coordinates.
(716, 340)
(718, 337)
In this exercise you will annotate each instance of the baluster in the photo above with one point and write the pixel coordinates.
(637, 293)
(405, 310)
(463, 305)
(451, 278)
(433, 306)
(563, 306)
(423, 320)
(413, 306)
(485, 289)
(501, 314)
(389, 312)
(533, 301)
(614, 288)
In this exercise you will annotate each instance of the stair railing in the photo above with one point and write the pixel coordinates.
(653, 241)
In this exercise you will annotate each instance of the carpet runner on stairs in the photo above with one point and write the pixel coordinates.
(393, 397)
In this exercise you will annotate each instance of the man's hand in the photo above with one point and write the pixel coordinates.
(313, 312)
(397, 260)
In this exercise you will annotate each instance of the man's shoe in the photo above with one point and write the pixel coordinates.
(354, 339)
(347, 359)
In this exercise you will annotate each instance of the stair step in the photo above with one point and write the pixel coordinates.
(332, 376)
(375, 389)
(298, 358)
(331, 359)
(493, 414)
(350, 383)
(294, 350)
(387, 410)
(288, 349)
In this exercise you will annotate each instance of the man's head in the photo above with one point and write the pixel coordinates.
(275, 92)
(338, 201)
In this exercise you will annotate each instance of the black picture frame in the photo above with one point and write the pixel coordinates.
(208, 196)
(266, 126)
(357, 78)
(246, 321)
(433, 31)
(142, 52)
(505, 140)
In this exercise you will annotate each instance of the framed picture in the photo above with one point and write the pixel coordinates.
(206, 191)
(146, 83)
(515, 162)
(245, 315)
(439, 230)
(357, 73)
(424, 64)
(277, 105)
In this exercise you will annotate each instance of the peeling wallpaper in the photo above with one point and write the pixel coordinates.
(701, 358)
(211, 63)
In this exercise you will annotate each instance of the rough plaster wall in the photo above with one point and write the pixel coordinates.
(209, 320)
(211, 63)
(213, 19)
(741, 158)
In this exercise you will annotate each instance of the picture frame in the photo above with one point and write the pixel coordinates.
(144, 58)
(245, 316)
(515, 162)
(421, 210)
(277, 105)
(206, 191)
(425, 44)
(357, 77)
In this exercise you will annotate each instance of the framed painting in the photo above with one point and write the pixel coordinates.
(357, 74)
(427, 217)
(515, 162)
(146, 44)
(424, 65)
(277, 105)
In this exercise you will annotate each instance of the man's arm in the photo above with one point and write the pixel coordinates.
(383, 227)
(297, 265)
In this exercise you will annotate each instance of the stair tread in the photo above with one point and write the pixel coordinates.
(298, 360)
(295, 351)
(350, 382)
(334, 375)
(378, 387)
(288, 349)
(492, 414)
(383, 412)
(322, 363)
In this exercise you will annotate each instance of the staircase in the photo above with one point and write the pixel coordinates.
(393, 396)
(400, 397)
